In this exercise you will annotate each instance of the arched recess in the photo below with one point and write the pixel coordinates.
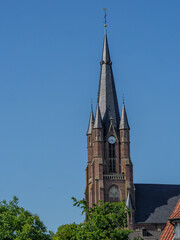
(113, 194)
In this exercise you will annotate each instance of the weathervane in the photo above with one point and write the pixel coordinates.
(105, 16)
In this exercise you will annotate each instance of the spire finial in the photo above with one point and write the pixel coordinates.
(123, 98)
(91, 104)
(105, 21)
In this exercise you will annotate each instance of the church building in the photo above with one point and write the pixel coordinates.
(109, 171)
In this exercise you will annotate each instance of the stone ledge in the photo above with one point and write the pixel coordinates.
(114, 176)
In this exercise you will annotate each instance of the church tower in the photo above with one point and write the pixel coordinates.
(109, 171)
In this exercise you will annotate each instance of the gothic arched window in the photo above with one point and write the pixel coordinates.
(112, 159)
(113, 194)
(99, 135)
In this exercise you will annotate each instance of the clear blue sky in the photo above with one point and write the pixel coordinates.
(49, 70)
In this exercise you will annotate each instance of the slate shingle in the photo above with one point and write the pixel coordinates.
(155, 202)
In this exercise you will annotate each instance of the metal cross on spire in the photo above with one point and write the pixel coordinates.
(105, 20)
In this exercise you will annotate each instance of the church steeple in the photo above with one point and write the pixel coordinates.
(107, 98)
(109, 172)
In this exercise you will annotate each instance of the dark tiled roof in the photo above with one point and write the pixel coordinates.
(124, 120)
(107, 98)
(168, 232)
(91, 121)
(155, 202)
(98, 120)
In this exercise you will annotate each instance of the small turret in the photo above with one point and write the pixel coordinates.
(126, 164)
(98, 120)
(91, 121)
(124, 121)
(98, 155)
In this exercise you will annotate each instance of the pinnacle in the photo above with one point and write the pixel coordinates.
(124, 121)
(91, 121)
(98, 120)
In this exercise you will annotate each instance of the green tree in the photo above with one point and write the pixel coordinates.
(66, 232)
(104, 221)
(19, 224)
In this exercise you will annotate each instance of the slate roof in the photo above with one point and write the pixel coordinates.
(107, 97)
(98, 120)
(168, 232)
(124, 120)
(91, 121)
(155, 202)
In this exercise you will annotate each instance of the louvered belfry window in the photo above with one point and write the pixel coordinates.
(112, 159)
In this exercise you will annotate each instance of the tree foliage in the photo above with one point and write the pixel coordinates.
(66, 232)
(104, 221)
(19, 224)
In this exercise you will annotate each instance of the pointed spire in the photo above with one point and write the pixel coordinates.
(124, 121)
(107, 97)
(129, 202)
(98, 119)
(91, 121)
(106, 55)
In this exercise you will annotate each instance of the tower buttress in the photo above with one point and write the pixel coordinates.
(126, 164)
(98, 156)
(90, 155)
